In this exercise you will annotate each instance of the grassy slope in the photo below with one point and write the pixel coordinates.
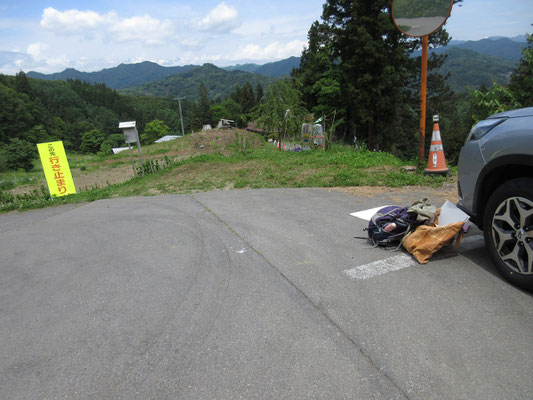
(217, 160)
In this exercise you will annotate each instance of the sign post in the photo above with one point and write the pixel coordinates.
(421, 18)
(131, 135)
(56, 169)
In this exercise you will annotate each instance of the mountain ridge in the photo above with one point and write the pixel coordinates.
(218, 82)
(499, 54)
(119, 77)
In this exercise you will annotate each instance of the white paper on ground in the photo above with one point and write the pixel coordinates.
(366, 215)
(449, 213)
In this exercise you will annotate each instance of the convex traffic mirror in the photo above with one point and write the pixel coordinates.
(420, 17)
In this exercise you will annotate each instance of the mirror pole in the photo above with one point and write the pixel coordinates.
(423, 96)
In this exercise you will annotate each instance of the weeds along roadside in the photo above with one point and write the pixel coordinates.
(245, 167)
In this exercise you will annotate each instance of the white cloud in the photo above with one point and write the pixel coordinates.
(151, 30)
(221, 19)
(273, 51)
(146, 28)
(74, 20)
(89, 39)
(36, 50)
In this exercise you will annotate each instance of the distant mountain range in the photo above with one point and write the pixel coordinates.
(130, 75)
(123, 76)
(273, 69)
(218, 82)
(470, 64)
(509, 49)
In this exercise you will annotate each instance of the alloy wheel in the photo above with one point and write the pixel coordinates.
(512, 234)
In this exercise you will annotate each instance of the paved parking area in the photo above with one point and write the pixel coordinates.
(248, 294)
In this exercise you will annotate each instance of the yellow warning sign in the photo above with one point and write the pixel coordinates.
(56, 169)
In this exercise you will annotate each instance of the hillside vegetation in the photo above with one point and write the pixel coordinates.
(218, 82)
(470, 70)
(212, 160)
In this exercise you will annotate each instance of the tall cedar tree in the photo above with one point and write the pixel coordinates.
(373, 60)
(319, 74)
(358, 63)
(259, 93)
(245, 97)
(203, 109)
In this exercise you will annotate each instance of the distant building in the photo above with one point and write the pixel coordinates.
(255, 127)
(167, 138)
(225, 124)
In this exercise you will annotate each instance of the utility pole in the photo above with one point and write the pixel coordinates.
(181, 115)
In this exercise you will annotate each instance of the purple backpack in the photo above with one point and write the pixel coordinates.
(390, 225)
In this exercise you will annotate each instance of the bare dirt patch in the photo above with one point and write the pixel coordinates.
(407, 194)
(102, 177)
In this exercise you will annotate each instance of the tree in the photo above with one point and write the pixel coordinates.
(318, 68)
(281, 96)
(259, 93)
(203, 109)
(357, 62)
(245, 97)
(22, 85)
(105, 120)
(373, 62)
(20, 153)
(153, 131)
(486, 103)
(37, 134)
(229, 109)
(248, 98)
(15, 117)
(522, 78)
(92, 141)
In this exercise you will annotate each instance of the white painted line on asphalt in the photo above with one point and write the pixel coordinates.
(381, 267)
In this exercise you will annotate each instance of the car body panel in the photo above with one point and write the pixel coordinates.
(470, 163)
(507, 145)
(521, 112)
(497, 142)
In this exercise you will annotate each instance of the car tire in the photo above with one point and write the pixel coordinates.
(508, 231)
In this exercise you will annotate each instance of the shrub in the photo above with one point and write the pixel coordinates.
(91, 141)
(153, 131)
(19, 153)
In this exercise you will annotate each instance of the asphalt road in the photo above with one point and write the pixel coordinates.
(248, 294)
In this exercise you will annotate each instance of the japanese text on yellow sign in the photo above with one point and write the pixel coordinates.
(56, 169)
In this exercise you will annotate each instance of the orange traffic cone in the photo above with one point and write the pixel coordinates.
(436, 160)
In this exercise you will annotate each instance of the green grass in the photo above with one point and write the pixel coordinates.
(10, 180)
(259, 167)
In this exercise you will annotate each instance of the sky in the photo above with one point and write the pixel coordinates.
(49, 36)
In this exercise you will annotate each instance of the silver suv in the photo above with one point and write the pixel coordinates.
(496, 190)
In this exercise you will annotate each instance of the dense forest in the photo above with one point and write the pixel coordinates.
(219, 83)
(358, 72)
(86, 116)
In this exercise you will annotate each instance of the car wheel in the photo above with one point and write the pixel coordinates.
(508, 231)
